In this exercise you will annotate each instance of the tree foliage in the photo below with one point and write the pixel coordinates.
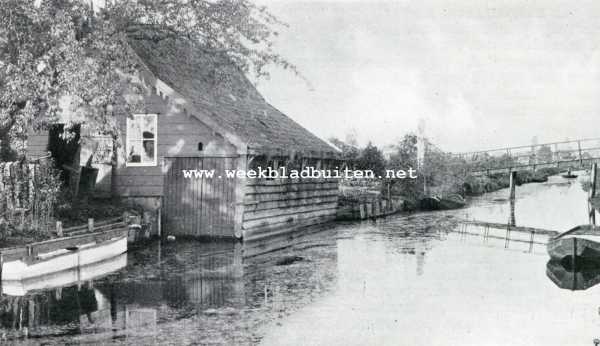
(405, 156)
(371, 158)
(51, 49)
(350, 152)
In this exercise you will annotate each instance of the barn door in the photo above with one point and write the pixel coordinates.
(198, 206)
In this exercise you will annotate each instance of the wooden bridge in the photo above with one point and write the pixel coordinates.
(571, 153)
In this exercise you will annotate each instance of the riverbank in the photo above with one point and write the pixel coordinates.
(478, 185)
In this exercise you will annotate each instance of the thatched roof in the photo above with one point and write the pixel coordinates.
(220, 90)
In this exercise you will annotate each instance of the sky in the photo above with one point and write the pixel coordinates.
(480, 74)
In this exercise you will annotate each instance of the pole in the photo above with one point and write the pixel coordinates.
(513, 178)
(592, 194)
(593, 178)
(580, 156)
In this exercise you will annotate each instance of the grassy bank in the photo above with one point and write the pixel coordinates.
(478, 185)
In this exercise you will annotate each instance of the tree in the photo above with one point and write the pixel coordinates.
(404, 157)
(52, 49)
(350, 152)
(544, 154)
(371, 158)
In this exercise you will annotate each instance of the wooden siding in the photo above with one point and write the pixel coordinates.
(199, 206)
(178, 136)
(278, 206)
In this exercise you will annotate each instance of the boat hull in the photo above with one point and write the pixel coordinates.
(584, 247)
(441, 203)
(64, 277)
(63, 259)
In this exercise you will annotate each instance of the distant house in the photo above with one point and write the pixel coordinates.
(200, 112)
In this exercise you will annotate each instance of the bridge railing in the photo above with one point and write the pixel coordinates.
(523, 157)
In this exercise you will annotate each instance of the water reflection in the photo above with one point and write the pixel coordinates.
(567, 277)
(558, 205)
(372, 282)
(512, 220)
(187, 290)
(496, 235)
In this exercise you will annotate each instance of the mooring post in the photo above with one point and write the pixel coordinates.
(580, 156)
(59, 229)
(513, 178)
(593, 179)
(159, 222)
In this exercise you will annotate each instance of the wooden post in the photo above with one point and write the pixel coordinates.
(91, 224)
(580, 156)
(592, 193)
(513, 177)
(593, 179)
(159, 222)
(511, 221)
(240, 192)
(59, 229)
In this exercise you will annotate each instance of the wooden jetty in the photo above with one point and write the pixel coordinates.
(367, 208)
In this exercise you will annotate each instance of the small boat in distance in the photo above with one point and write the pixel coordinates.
(581, 243)
(569, 175)
(452, 201)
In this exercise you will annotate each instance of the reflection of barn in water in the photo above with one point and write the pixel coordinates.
(165, 283)
(72, 310)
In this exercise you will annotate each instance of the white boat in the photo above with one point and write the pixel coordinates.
(63, 255)
(64, 277)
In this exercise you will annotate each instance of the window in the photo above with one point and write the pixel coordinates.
(141, 140)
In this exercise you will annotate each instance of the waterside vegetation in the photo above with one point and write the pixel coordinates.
(441, 176)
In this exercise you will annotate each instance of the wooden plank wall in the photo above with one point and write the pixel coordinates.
(178, 135)
(199, 206)
(279, 206)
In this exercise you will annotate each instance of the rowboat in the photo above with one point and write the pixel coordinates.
(569, 175)
(453, 201)
(60, 254)
(65, 277)
(581, 242)
(442, 203)
(572, 278)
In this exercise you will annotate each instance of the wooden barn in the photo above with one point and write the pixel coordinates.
(200, 112)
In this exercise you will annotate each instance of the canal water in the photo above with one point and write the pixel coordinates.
(419, 279)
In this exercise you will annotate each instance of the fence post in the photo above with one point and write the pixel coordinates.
(91, 224)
